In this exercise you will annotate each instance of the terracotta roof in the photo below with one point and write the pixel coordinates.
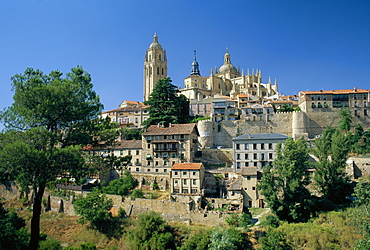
(243, 95)
(180, 166)
(126, 109)
(175, 129)
(337, 91)
(285, 101)
(249, 171)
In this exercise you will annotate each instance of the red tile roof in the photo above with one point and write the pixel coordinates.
(185, 166)
(175, 129)
(337, 91)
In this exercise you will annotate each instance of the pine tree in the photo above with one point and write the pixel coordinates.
(165, 105)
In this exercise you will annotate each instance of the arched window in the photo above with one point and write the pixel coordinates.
(162, 71)
(157, 70)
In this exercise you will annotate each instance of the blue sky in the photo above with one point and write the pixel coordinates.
(306, 45)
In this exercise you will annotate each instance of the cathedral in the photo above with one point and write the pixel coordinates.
(226, 80)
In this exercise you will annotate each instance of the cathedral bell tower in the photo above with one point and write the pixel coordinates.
(155, 66)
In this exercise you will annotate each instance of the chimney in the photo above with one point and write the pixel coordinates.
(355, 89)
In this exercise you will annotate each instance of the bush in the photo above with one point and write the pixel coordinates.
(151, 232)
(137, 193)
(121, 185)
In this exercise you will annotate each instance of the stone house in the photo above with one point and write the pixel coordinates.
(251, 195)
(187, 178)
(357, 100)
(129, 114)
(255, 150)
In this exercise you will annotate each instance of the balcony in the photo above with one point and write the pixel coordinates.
(165, 149)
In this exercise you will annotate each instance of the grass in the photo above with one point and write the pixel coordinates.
(256, 211)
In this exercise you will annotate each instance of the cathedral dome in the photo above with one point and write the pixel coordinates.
(155, 44)
(227, 67)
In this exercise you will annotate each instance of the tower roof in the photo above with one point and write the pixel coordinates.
(155, 44)
(195, 65)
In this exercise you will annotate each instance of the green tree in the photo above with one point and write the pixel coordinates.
(129, 134)
(198, 241)
(151, 232)
(238, 220)
(166, 106)
(227, 239)
(13, 234)
(361, 215)
(284, 184)
(46, 110)
(275, 240)
(122, 185)
(94, 208)
(346, 120)
(332, 182)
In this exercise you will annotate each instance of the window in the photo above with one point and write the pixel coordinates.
(255, 157)
(176, 181)
(238, 165)
(137, 152)
(270, 156)
(246, 146)
(194, 173)
(148, 146)
(246, 164)
(129, 152)
(194, 182)
(246, 157)
(184, 173)
(253, 188)
(185, 181)
(270, 145)
(148, 169)
(237, 146)
(156, 163)
(262, 146)
(262, 157)
(165, 170)
(176, 173)
(121, 152)
(255, 164)
(248, 178)
(254, 146)
(136, 120)
(238, 156)
(312, 97)
(137, 169)
(156, 170)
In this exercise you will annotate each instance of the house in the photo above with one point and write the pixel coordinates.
(355, 99)
(163, 146)
(255, 150)
(187, 178)
(251, 195)
(129, 114)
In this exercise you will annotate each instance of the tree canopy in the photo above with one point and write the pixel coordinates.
(166, 105)
(284, 183)
(48, 120)
(331, 179)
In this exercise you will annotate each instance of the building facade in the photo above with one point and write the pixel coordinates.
(357, 100)
(187, 178)
(255, 150)
(165, 146)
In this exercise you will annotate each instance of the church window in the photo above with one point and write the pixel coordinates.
(162, 71)
(160, 57)
(157, 70)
